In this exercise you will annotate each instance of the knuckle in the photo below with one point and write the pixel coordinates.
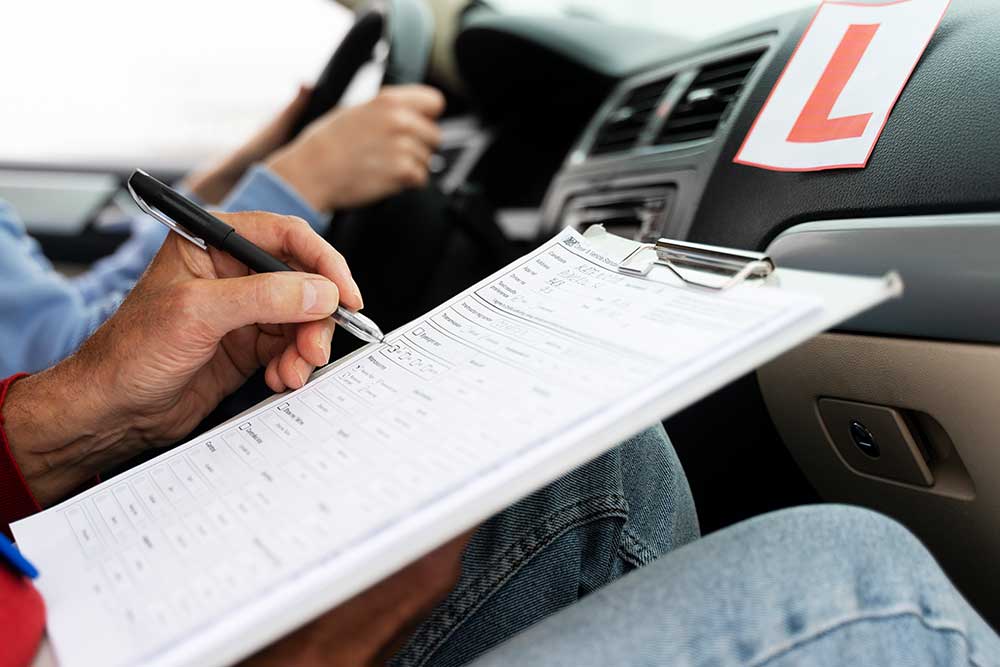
(260, 217)
(387, 95)
(294, 228)
(386, 104)
(265, 288)
(337, 256)
(436, 137)
(401, 147)
(400, 120)
(417, 176)
(436, 101)
(439, 99)
(400, 167)
(293, 221)
(409, 173)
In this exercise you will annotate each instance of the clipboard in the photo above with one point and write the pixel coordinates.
(721, 270)
(603, 387)
(712, 268)
(735, 266)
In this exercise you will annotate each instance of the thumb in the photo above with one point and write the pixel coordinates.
(266, 298)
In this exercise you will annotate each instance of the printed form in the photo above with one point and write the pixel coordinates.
(138, 565)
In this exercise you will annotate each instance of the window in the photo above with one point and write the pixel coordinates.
(158, 83)
(693, 20)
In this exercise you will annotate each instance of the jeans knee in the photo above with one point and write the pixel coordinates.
(870, 549)
(662, 513)
(854, 528)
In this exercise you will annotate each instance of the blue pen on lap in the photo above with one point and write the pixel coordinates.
(11, 555)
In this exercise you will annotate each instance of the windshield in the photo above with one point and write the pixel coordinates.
(120, 83)
(125, 83)
(694, 20)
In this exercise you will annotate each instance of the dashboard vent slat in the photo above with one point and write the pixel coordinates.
(638, 213)
(624, 124)
(693, 120)
(704, 105)
(731, 69)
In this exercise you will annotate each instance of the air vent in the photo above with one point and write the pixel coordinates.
(638, 214)
(703, 106)
(624, 124)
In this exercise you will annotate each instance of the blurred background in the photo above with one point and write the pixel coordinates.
(165, 83)
(107, 83)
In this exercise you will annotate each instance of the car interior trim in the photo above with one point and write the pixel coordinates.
(956, 430)
(947, 262)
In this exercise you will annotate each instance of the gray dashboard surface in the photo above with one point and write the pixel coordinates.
(938, 153)
(948, 264)
(611, 51)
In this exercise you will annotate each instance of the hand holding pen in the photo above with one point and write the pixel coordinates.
(203, 229)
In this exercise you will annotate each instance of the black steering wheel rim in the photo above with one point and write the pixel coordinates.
(354, 51)
(399, 32)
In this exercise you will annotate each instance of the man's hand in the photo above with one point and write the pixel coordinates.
(368, 629)
(193, 329)
(211, 184)
(358, 155)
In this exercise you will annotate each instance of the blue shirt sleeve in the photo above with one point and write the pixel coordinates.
(45, 317)
(114, 275)
(261, 189)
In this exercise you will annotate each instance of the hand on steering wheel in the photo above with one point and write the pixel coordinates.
(349, 158)
(354, 156)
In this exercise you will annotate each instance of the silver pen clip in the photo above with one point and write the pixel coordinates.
(156, 215)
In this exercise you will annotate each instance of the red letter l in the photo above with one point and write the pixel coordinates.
(814, 124)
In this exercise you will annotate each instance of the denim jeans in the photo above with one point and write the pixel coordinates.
(609, 517)
(813, 586)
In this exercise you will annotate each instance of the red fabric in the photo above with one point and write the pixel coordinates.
(22, 619)
(22, 612)
(16, 500)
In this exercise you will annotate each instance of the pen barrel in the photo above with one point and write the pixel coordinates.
(254, 258)
(358, 325)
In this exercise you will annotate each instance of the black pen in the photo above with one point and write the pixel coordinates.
(203, 229)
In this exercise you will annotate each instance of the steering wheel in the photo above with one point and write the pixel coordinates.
(388, 251)
(398, 32)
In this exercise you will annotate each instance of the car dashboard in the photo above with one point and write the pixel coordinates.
(656, 160)
(641, 166)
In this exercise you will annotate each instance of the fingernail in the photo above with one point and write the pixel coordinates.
(302, 369)
(324, 339)
(357, 294)
(319, 296)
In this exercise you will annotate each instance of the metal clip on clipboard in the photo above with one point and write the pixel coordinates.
(736, 265)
